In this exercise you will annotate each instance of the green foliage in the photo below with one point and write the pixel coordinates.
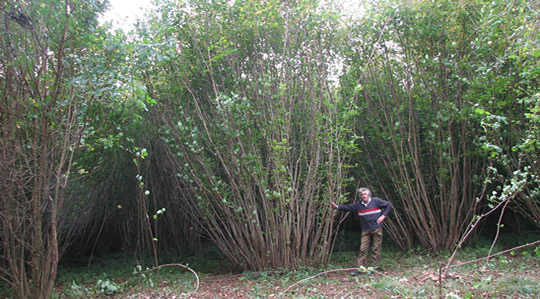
(107, 287)
(245, 117)
(254, 126)
(53, 89)
(430, 78)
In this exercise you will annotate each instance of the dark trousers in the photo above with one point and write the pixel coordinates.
(373, 240)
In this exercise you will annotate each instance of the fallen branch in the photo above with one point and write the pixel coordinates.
(494, 255)
(440, 277)
(314, 276)
(182, 266)
(437, 277)
(331, 271)
(443, 276)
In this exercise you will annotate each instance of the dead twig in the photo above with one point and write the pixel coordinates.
(314, 276)
(182, 266)
(437, 277)
(440, 277)
(337, 270)
(496, 254)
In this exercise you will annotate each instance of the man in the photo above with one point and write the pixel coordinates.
(372, 212)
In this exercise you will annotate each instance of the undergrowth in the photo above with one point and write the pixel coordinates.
(405, 274)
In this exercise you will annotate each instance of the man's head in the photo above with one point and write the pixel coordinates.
(365, 194)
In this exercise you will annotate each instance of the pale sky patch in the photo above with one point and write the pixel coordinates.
(124, 13)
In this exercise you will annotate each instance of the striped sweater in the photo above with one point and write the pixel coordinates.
(369, 214)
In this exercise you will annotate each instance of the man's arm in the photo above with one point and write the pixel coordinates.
(350, 208)
(386, 206)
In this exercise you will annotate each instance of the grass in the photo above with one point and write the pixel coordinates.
(115, 275)
(407, 274)
(405, 278)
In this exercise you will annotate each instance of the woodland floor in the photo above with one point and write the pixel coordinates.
(507, 277)
(411, 274)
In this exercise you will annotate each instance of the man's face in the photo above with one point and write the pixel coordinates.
(365, 196)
